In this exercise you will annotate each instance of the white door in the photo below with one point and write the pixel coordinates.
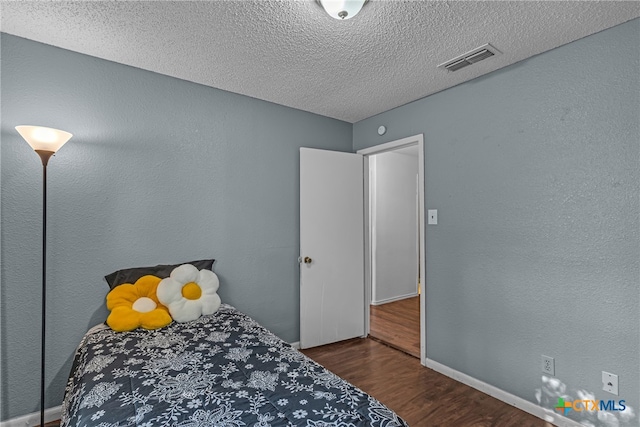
(331, 247)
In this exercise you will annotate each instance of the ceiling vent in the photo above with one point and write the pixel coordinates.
(469, 58)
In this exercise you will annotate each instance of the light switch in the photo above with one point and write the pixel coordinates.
(432, 216)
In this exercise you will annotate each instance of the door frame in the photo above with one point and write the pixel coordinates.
(378, 149)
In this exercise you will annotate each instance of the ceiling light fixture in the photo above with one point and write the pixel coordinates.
(342, 9)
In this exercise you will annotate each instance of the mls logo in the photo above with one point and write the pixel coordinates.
(563, 406)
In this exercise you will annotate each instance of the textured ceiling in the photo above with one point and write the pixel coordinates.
(292, 53)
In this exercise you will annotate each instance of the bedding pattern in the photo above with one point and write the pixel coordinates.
(222, 370)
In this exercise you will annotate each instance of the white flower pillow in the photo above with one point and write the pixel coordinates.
(189, 293)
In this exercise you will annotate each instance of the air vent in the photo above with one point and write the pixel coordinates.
(469, 58)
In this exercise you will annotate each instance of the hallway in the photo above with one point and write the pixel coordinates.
(398, 324)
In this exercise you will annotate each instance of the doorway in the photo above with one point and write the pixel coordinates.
(394, 244)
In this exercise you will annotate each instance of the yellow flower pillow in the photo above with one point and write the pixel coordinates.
(189, 293)
(134, 306)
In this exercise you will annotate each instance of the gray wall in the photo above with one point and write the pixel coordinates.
(534, 170)
(159, 171)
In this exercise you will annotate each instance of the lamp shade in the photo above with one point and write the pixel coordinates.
(342, 9)
(44, 139)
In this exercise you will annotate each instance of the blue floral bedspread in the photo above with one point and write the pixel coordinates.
(222, 370)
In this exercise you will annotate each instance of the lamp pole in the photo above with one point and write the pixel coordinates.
(44, 156)
(45, 142)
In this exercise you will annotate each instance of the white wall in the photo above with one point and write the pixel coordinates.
(394, 239)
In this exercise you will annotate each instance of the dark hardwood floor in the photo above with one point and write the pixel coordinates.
(421, 396)
(398, 324)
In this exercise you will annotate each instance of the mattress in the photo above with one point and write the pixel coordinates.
(223, 369)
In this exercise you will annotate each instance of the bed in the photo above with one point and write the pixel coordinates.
(222, 369)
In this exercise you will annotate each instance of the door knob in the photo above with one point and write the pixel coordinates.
(307, 260)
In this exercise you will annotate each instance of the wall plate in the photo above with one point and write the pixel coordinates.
(432, 217)
(548, 365)
(610, 382)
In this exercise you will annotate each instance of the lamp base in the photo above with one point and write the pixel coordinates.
(55, 423)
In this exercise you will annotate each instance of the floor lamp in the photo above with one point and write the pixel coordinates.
(45, 142)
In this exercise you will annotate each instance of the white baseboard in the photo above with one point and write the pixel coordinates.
(392, 299)
(543, 413)
(295, 344)
(33, 419)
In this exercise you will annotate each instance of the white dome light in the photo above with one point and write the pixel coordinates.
(342, 9)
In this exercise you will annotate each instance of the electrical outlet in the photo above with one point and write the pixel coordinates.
(610, 382)
(548, 365)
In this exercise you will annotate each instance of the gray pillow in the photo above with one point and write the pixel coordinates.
(130, 275)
